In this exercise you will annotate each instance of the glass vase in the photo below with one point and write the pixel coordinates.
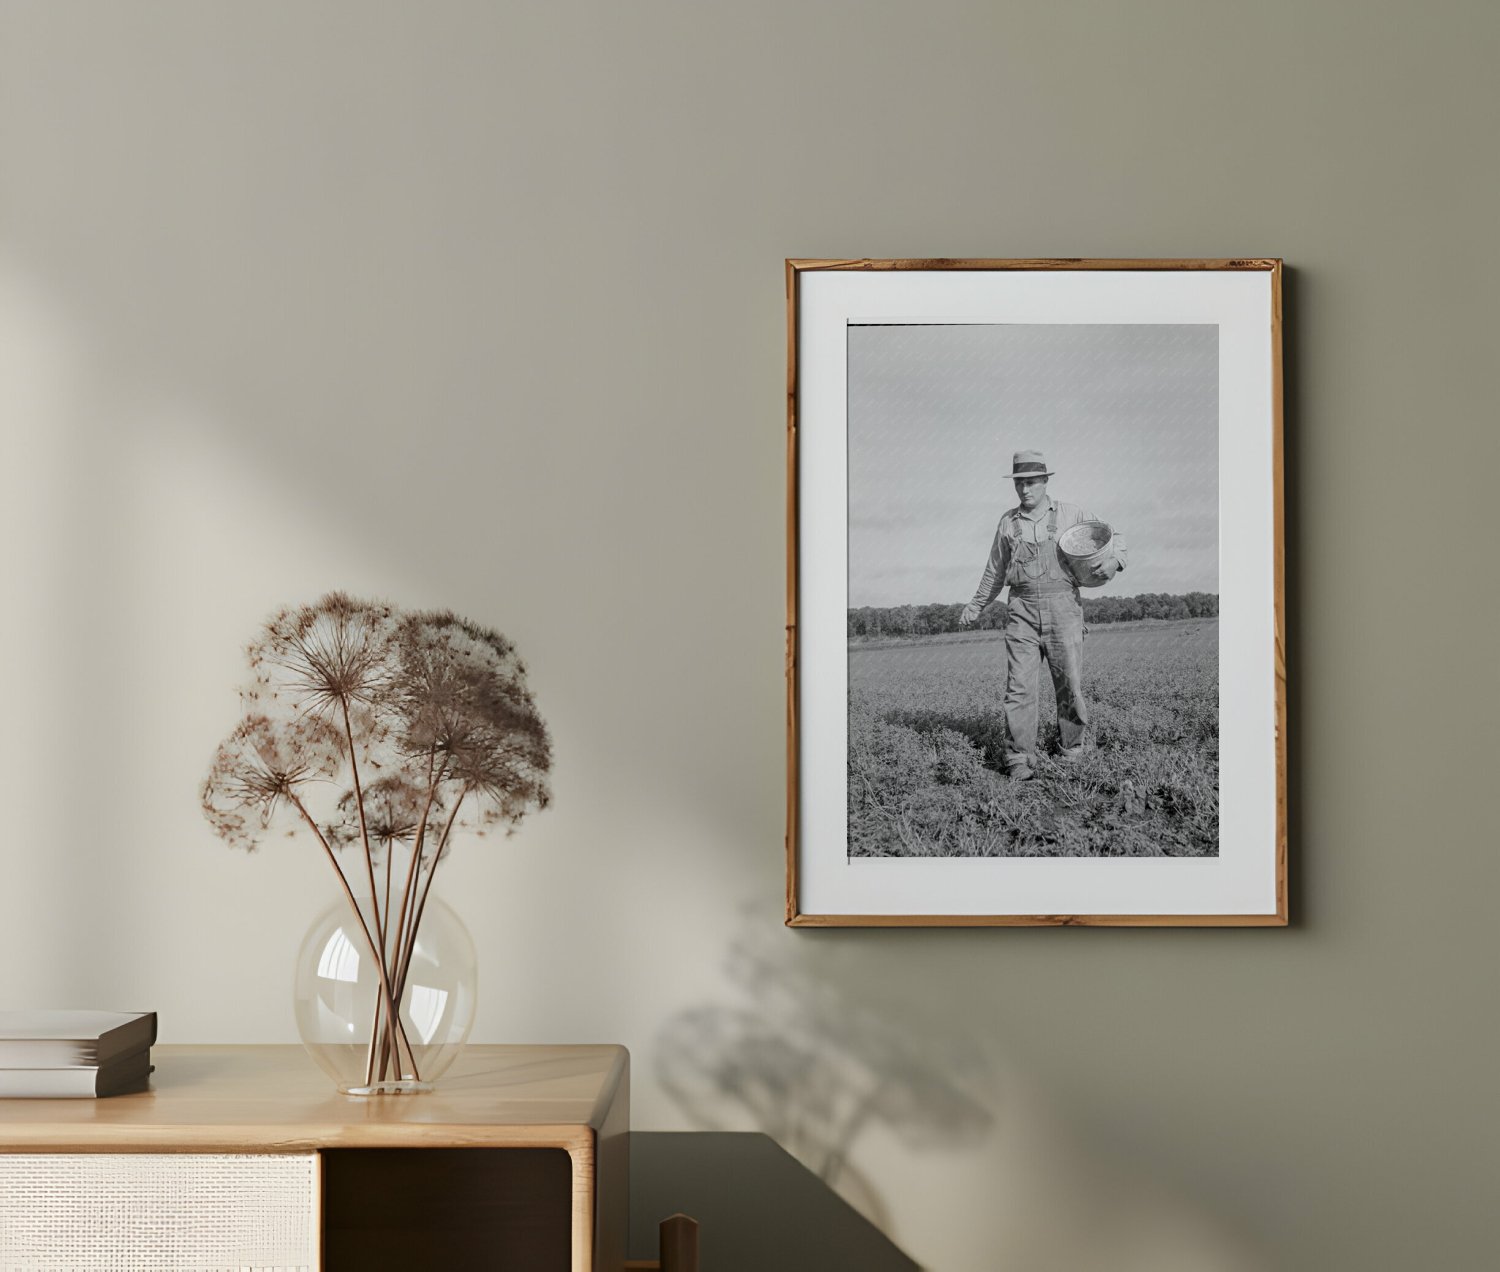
(341, 999)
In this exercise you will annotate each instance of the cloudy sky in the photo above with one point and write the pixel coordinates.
(1127, 416)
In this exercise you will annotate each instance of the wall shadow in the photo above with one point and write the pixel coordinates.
(800, 1058)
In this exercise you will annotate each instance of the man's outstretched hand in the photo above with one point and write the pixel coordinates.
(970, 616)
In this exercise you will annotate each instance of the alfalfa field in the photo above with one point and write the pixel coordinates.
(926, 746)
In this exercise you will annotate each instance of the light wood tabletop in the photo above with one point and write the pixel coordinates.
(275, 1099)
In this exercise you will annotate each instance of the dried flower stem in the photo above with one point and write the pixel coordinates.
(434, 778)
(386, 954)
(364, 838)
(364, 832)
(385, 984)
(403, 965)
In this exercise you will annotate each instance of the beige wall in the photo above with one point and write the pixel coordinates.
(481, 305)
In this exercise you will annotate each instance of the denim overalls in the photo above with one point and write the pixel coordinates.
(1045, 621)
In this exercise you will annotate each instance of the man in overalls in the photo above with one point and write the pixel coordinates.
(1045, 614)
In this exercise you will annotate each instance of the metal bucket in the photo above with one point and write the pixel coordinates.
(1087, 553)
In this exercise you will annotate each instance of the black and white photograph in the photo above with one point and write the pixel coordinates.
(1033, 590)
(1036, 666)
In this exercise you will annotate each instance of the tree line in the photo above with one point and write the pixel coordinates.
(871, 621)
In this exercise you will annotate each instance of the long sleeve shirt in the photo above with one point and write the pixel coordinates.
(1033, 530)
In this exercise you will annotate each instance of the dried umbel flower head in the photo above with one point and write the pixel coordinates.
(260, 769)
(394, 807)
(323, 659)
(433, 711)
(461, 696)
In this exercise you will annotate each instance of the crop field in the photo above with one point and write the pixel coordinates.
(926, 747)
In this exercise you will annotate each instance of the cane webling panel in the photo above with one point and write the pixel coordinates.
(173, 1212)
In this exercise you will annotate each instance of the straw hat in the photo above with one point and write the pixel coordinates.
(1029, 464)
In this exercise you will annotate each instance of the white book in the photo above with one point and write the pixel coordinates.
(120, 1076)
(72, 1039)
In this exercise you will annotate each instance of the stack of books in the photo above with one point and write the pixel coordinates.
(51, 1055)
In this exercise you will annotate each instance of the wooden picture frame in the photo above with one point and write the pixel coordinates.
(996, 850)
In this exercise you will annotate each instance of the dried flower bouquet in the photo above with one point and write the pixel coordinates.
(380, 733)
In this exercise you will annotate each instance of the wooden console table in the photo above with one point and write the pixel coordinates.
(520, 1158)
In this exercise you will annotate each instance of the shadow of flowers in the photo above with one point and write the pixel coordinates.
(805, 1061)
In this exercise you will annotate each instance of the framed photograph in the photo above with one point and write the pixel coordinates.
(1035, 660)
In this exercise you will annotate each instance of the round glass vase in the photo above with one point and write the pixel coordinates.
(341, 998)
